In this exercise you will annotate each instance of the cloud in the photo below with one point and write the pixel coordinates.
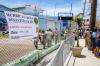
(54, 12)
(18, 4)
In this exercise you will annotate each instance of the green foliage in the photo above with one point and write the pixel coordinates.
(2, 36)
(70, 24)
(79, 21)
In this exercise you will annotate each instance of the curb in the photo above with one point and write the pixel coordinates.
(68, 58)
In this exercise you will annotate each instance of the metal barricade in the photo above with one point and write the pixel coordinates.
(63, 52)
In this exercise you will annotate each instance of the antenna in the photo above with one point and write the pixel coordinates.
(71, 8)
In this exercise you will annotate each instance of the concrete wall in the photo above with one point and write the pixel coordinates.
(42, 23)
(51, 24)
(45, 23)
(58, 25)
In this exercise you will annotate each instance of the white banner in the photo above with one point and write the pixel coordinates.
(20, 26)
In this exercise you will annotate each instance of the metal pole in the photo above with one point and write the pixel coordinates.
(93, 14)
(60, 28)
(55, 14)
(84, 8)
(71, 8)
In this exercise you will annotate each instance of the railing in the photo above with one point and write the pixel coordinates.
(63, 52)
(31, 57)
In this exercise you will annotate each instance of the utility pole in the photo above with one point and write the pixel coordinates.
(93, 14)
(71, 8)
(84, 9)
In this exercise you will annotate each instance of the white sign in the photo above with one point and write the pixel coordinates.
(20, 26)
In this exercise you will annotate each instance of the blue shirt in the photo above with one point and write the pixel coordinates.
(94, 34)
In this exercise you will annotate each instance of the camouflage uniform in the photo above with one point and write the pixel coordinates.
(56, 36)
(49, 38)
(43, 39)
(36, 40)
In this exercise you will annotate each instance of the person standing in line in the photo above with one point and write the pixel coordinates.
(49, 37)
(76, 34)
(87, 37)
(39, 35)
(65, 34)
(43, 39)
(97, 50)
(81, 33)
(94, 35)
(36, 39)
(56, 35)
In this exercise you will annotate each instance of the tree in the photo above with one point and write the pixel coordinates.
(78, 19)
(70, 24)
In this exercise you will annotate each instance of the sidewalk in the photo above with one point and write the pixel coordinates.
(87, 58)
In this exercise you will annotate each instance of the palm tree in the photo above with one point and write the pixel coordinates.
(78, 19)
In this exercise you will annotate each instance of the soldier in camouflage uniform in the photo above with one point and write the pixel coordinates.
(36, 39)
(56, 35)
(43, 39)
(49, 37)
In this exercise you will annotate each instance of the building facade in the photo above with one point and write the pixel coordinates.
(45, 22)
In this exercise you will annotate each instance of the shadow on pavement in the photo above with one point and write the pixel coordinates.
(82, 56)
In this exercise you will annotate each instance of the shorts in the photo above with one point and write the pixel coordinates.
(98, 44)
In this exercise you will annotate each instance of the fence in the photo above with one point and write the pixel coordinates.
(62, 52)
(14, 49)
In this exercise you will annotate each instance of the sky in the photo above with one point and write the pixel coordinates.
(51, 7)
